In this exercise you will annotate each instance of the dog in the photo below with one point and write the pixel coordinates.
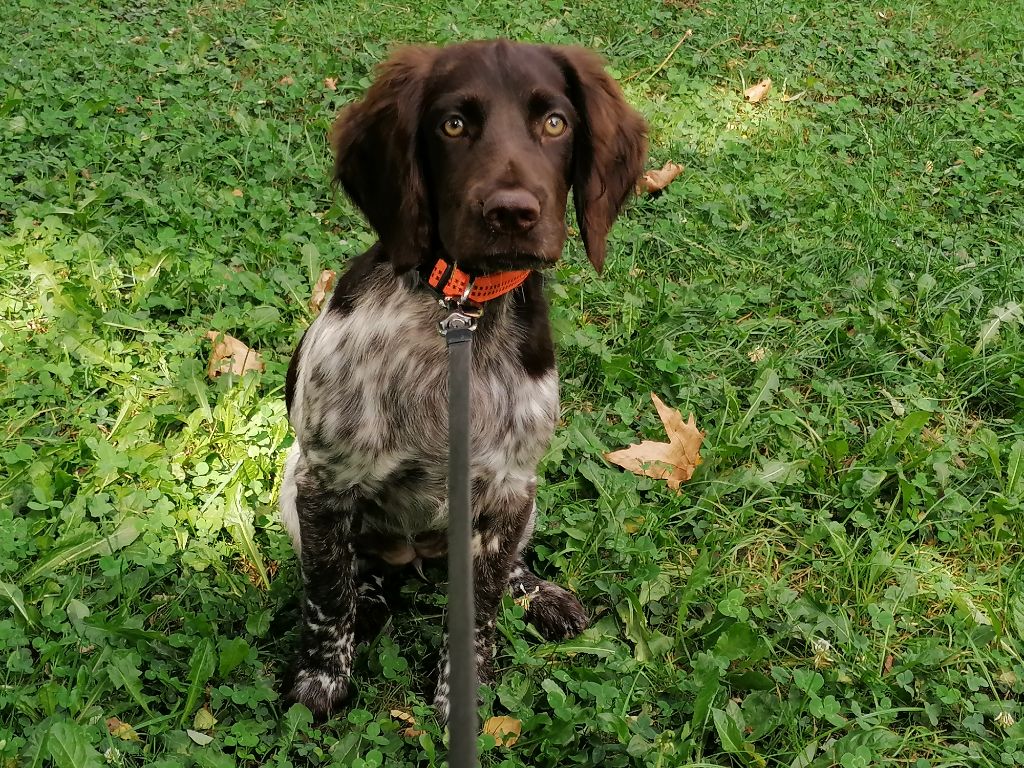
(461, 158)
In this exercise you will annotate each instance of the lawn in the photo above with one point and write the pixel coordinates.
(833, 288)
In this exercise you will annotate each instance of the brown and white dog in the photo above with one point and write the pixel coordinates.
(460, 156)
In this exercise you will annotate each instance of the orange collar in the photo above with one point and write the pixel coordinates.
(453, 283)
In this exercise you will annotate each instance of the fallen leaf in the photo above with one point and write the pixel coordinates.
(404, 716)
(253, 573)
(1007, 678)
(331, 83)
(898, 410)
(976, 96)
(231, 356)
(887, 664)
(237, 192)
(757, 92)
(323, 286)
(657, 179)
(1010, 313)
(793, 96)
(204, 720)
(287, 80)
(199, 738)
(504, 729)
(673, 461)
(633, 524)
(121, 730)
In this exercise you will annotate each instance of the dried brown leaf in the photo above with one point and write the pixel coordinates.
(657, 179)
(758, 91)
(237, 192)
(229, 355)
(674, 461)
(331, 83)
(410, 731)
(252, 573)
(505, 730)
(287, 80)
(323, 287)
(975, 97)
(121, 730)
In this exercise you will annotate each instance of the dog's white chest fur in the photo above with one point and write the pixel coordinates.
(370, 410)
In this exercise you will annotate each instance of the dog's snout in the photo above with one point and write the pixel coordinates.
(512, 211)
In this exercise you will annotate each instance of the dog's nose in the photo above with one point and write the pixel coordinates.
(511, 211)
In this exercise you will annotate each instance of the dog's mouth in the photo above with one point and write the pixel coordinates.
(490, 252)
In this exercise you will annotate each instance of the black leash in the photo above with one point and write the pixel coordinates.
(457, 330)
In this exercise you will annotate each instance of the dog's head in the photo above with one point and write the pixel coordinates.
(472, 149)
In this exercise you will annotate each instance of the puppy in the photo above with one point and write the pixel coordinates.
(462, 159)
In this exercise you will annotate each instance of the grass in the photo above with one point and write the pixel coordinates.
(832, 287)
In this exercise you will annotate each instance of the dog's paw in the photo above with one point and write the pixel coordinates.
(556, 612)
(321, 693)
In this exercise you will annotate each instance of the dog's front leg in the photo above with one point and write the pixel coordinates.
(496, 534)
(327, 522)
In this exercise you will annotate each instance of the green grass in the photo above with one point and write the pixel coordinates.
(840, 584)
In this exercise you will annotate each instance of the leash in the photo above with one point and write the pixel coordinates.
(463, 295)
(457, 330)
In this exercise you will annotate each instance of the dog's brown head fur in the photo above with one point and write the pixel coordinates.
(471, 150)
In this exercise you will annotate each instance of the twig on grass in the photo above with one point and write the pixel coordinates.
(686, 36)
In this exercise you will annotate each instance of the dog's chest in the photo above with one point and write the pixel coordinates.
(370, 409)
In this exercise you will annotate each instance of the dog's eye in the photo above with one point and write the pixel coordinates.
(454, 127)
(554, 125)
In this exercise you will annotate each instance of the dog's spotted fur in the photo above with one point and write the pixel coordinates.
(366, 480)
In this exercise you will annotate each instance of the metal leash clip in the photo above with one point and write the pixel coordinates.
(463, 314)
(460, 319)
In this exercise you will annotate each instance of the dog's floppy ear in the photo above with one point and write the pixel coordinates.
(610, 151)
(376, 158)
